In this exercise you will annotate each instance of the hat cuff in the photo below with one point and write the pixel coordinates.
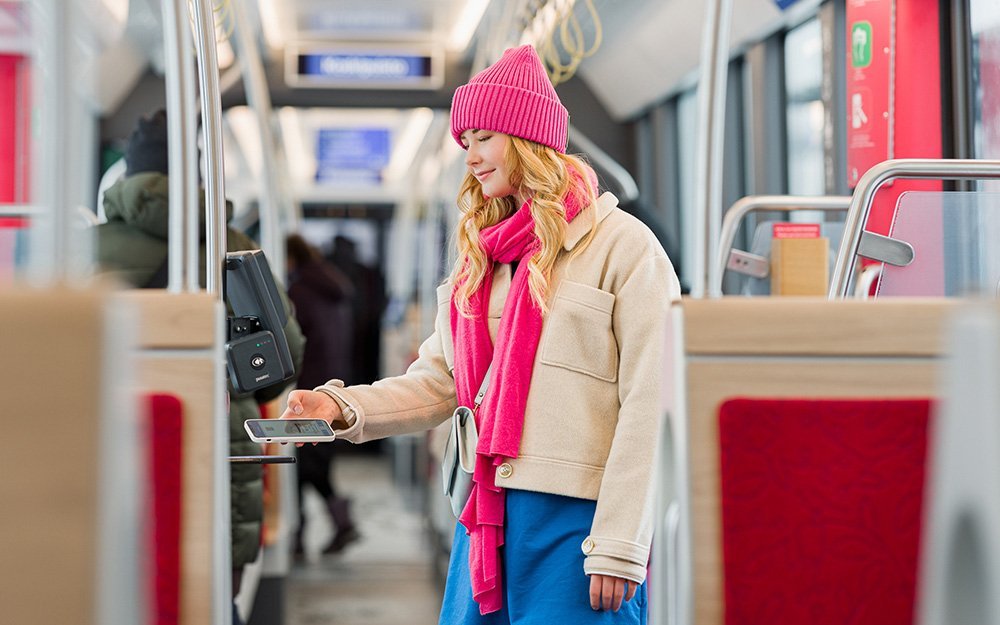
(511, 111)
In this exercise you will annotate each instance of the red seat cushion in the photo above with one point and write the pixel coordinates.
(164, 455)
(821, 510)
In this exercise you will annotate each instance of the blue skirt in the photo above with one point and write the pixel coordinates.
(544, 582)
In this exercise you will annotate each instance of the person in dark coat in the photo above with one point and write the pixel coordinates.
(132, 246)
(369, 305)
(322, 295)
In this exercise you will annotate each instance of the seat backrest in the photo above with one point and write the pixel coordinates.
(954, 236)
(793, 348)
(821, 509)
(165, 442)
(761, 246)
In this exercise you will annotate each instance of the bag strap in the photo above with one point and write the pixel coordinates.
(482, 389)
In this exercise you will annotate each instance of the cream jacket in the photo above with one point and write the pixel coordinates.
(593, 416)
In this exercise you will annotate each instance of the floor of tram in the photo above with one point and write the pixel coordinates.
(385, 578)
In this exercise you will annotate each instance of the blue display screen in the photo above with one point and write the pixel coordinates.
(352, 155)
(365, 67)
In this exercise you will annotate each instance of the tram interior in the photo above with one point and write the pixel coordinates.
(821, 173)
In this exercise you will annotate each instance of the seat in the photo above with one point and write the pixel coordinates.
(165, 428)
(821, 509)
(761, 246)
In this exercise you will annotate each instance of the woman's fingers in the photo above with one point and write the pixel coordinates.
(607, 592)
(294, 408)
(632, 587)
(596, 585)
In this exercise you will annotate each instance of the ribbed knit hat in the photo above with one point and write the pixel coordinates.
(147, 147)
(515, 97)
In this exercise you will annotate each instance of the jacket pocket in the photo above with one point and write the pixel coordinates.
(443, 324)
(578, 333)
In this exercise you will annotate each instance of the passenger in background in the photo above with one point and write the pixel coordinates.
(562, 298)
(369, 305)
(322, 296)
(132, 246)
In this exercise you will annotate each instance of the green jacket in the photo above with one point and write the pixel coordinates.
(132, 246)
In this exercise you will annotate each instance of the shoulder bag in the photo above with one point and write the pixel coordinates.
(460, 452)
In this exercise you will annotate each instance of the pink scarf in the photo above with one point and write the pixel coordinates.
(500, 417)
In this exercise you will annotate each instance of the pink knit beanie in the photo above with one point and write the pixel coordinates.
(515, 97)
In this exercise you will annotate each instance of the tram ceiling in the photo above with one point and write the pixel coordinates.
(456, 72)
(650, 48)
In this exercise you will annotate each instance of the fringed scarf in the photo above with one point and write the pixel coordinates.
(500, 418)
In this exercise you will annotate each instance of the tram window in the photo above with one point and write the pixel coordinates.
(804, 109)
(984, 17)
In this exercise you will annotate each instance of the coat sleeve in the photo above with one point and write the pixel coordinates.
(418, 400)
(622, 530)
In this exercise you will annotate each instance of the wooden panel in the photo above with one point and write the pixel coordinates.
(174, 320)
(50, 384)
(191, 379)
(802, 326)
(709, 383)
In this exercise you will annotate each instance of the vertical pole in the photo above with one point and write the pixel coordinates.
(259, 99)
(211, 115)
(175, 26)
(192, 190)
(215, 250)
(49, 106)
(711, 128)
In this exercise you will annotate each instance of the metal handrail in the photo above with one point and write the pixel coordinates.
(734, 216)
(626, 183)
(211, 115)
(21, 210)
(872, 181)
(259, 100)
(711, 126)
(868, 277)
(672, 522)
(215, 252)
(175, 21)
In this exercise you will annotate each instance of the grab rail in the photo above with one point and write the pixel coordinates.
(211, 115)
(741, 207)
(872, 181)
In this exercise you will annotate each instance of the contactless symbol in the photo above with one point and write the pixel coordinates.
(257, 361)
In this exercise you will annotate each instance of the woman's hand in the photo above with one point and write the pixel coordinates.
(607, 592)
(314, 405)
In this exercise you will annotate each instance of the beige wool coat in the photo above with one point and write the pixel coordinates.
(593, 417)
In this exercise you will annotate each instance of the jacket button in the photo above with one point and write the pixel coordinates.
(588, 545)
(505, 470)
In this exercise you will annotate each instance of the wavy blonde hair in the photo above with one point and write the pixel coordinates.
(538, 172)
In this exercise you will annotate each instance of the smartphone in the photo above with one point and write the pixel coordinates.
(289, 430)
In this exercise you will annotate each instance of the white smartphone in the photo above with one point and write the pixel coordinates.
(289, 430)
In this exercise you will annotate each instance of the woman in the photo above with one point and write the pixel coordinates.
(563, 298)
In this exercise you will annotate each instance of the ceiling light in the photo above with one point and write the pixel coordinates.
(466, 24)
(301, 164)
(405, 149)
(272, 13)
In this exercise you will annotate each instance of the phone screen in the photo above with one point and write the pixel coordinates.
(277, 428)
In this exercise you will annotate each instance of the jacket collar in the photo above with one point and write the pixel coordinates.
(579, 227)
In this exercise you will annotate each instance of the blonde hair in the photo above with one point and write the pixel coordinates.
(536, 171)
